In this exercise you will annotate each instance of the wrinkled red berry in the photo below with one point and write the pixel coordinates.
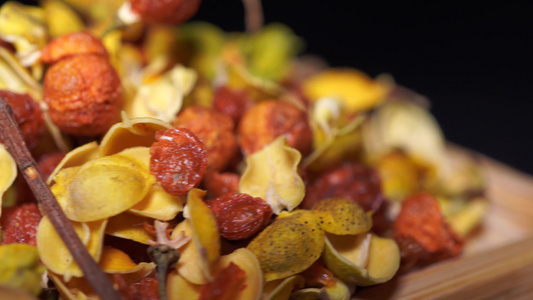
(28, 115)
(19, 224)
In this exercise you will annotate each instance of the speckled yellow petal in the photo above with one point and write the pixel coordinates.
(188, 264)
(342, 216)
(281, 289)
(356, 90)
(163, 98)
(158, 204)
(115, 261)
(9, 172)
(253, 281)
(128, 226)
(382, 262)
(272, 175)
(76, 157)
(289, 245)
(102, 188)
(131, 133)
(204, 231)
(56, 256)
(179, 288)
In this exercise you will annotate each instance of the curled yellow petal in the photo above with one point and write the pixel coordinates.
(272, 175)
(158, 204)
(9, 171)
(102, 187)
(128, 226)
(342, 216)
(289, 245)
(16, 78)
(179, 288)
(188, 265)
(115, 261)
(55, 254)
(76, 157)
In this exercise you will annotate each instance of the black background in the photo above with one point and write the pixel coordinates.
(471, 59)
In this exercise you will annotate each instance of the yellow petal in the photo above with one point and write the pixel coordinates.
(61, 19)
(102, 188)
(289, 245)
(128, 226)
(74, 289)
(158, 204)
(272, 175)
(204, 231)
(9, 172)
(20, 268)
(16, 78)
(179, 288)
(281, 289)
(76, 157)
(131, 133)
(188, 265)
(342, 216)
(115, 261)
(56, 256)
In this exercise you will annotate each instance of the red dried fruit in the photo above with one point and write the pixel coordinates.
(353, 181)
(178, 160)
(218, 184)
(422, 233)
(76, 43)
(317, 275)
(28, 115)
(239, 216)
(166, 11)
(232, 103)
(267, 120)
(145, 289)
(83, 94)
(19, 224)
(214, 129)
(226, 285)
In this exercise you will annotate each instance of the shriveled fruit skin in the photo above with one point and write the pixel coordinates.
(269, 119)
(178, 160)
(240, 216)
(166, 11)
(28, 115)
(83, 94)
(422, 233)
(19, 224)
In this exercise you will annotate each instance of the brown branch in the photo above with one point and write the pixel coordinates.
(253, 15)
(14, 143)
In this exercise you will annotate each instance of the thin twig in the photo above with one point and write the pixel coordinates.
(253, 15)
(14, 143)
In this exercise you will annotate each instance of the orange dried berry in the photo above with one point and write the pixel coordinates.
(267, 120)
(83, 94)
(219, 184)
(226, 285)
(178, 160)
(168, 11)
(28, 115)
(422, 233)
(19, 224)
(232, 103)
(353, 181)
(214, 129)
(71, 44)
(239, 216)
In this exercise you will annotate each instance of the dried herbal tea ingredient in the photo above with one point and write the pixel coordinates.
(28, 114)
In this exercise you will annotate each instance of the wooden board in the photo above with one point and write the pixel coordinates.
(497, 262)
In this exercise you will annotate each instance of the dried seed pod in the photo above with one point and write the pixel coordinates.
(214, 129)
(239, 216)
(169, 11)
(178, 160)
(77, 43)
(83, 93)
(28, 115)
(267, 120)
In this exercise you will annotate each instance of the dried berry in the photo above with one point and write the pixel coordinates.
(267, 120)
(28, 115)
(19, 224)
(168, 11)
(422, 233)
(240, 216)
(317, 275)
(83, 93)
(46, 165)
(144, 289)
(77, 43)
(353, 181)
(233, 103)
(219, 184)
(214, 129)
(178, 160)
(225, 286)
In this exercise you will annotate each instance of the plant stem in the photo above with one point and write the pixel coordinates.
(14, 143)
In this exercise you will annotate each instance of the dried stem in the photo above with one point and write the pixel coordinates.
(14, 143)
(253, 15)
